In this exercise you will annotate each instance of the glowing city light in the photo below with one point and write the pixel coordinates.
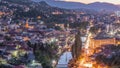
(88, 65)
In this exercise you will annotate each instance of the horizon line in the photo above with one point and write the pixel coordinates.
(90, 2)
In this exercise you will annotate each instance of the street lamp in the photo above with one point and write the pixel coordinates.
(54, 63)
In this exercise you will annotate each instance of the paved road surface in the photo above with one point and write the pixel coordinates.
(62, 66)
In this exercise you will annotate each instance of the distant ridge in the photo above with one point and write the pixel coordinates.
(99, 6)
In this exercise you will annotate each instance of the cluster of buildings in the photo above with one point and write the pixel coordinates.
(117, 13)
(106, 31)
(14, 37)
(8, 8)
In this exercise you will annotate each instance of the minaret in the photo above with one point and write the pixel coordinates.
(27, 24)
(68, 27)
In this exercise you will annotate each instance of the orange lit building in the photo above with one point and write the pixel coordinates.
(103, 39)
(94, 43)
(27, 25)
(1, 13)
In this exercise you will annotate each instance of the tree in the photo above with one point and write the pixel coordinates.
(1, 44)
(77, 47)
(83, 25)
(5, 66)
(19, 60)
(8, 38)
(58, 28)
(94, 30)
(47, 54)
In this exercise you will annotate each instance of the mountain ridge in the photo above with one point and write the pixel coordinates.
(99, 6)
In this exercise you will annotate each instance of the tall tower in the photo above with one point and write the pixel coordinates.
(68, 26)
(27, 24)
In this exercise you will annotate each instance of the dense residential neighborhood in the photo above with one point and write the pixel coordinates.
(32, 34)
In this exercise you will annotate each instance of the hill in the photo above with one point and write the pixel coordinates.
(75, 5)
